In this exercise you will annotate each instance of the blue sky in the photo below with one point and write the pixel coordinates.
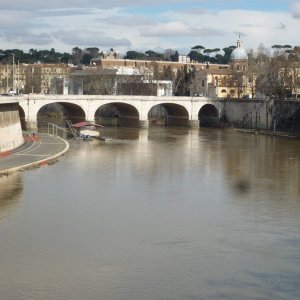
(260, 5)
(216, 5)
(135, 25)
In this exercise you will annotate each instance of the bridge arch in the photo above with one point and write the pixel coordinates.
(168, 114)
(208, 116)
(59, 112)
(117, 114)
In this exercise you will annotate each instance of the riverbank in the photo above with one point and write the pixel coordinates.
(37, 151)
(272, 133)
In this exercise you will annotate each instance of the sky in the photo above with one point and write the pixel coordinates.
(147, 25)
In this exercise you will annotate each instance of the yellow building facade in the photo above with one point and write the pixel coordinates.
(227, 81)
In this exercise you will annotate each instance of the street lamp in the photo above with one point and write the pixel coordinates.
(13, 72)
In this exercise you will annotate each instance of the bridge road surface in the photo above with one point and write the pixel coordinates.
(36, 151)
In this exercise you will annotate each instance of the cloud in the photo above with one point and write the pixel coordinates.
(281, 26)
(137, 21)
(134, 24)
(178, 28)
(295, 9)
(240, 34)
(195, 11)
(28, 5)
(250, 25)
(35, 39)
(87, 38)
(21, 37)
(65, 12)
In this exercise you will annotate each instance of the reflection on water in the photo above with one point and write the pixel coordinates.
(11, 188)
(269, 163)
(164, 213)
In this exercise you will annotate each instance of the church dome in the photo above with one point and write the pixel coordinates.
(239, 52)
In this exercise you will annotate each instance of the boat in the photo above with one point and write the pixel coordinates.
(86, 130)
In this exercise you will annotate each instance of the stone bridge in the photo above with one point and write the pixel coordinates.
(138, 111)
(186, 111)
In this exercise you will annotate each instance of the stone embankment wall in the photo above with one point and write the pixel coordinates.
(251, 114)
(267, 114)
(287, 115)
(10, 127)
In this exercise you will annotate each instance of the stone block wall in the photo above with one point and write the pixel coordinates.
(287, 115)
(10, 127)
(251, 114)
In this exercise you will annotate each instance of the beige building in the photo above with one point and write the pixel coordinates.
(229, 81)
(148, 64)
(30, 78)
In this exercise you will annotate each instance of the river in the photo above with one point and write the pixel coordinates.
(164, 213)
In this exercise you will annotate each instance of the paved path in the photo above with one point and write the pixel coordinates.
(35, 152)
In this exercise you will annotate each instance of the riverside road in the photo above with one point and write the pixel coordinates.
(35, 151)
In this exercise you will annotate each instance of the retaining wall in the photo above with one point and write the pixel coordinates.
(10, 127)
(253, 114)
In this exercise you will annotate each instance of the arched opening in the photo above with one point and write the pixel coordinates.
(168, 114)
(117, 115)
(22, 118)
(58, 113)
(208, 116)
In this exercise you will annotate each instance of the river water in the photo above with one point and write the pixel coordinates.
(164, 213)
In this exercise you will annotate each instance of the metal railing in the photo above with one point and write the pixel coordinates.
(56, 130)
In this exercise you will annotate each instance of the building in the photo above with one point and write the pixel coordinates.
(116, 81)
(228, 81)
(148, 64)
(185, 59)
(30, 78)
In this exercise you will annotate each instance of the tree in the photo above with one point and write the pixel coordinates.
(198, 47)
(135, 55)
(168, 74)
(175, 57)
(168, 53)
(33, 81)
(273, 77)
(196, 56)
(93, 52)
(99, 83)
(86, 59)
(183, 81)
(65, 58)
(76, 55)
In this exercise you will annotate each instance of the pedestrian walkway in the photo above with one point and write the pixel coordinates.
(37, 150)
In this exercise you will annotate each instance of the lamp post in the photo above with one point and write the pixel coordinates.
(13, 72)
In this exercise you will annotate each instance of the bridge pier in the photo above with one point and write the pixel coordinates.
(31, 125)
(194, 123)
(143, 123)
